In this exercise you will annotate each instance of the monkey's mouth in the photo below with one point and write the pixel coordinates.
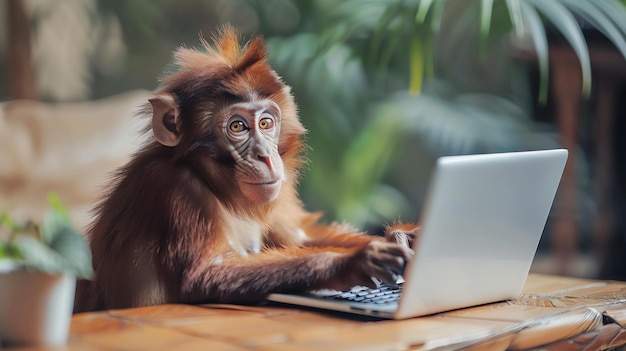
(271, 182)
(261, 192)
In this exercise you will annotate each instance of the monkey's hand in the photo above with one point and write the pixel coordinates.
(382, 260)
(402, 234)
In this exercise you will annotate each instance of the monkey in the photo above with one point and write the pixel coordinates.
(207, 210)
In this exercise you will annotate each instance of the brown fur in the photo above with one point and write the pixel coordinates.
(175, 228)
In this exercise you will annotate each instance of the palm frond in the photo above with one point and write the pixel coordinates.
(517, 19)
(486, 8)
(422, 10)
(417, 65)
(592, 14)
(614, 11)
(466, 123)
(435, 22)
(567, 25)
(382, 20)
(540, 42)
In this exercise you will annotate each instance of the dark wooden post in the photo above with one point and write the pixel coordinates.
(21, 75)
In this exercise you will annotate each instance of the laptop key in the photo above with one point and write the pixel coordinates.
(381, 295)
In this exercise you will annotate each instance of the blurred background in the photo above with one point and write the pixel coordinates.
(384, 87)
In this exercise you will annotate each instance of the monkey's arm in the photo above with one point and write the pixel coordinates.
(252, 278)
(335, 235)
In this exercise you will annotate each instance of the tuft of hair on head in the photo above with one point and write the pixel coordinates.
(227, 43)
(224, 49)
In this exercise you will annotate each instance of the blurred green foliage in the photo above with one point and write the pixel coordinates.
(358, 67)
(384, 86)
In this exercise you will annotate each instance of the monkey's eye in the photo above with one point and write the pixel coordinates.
(266, 123)
(237, 126)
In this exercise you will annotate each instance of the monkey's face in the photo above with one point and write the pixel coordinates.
(252, 131)
(248, 131)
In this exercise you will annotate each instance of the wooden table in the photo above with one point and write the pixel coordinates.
(554, 313)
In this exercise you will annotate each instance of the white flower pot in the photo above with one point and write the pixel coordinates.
(35, 307)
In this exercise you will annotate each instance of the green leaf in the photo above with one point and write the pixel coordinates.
(565, 22)
(72, 249)
(395, 35)
(10, 251)
(381, 28)
(615, 11)
(364, 13)
(7, 222)
(364, 165)
(417, 65)
(593, 15)
(3, 250)
(37, 255)
(464, 123)
(486, 7)
(435, 22)
(57, 206)
(422, 10)
(515, 12)
(540, 41)
(335, 36)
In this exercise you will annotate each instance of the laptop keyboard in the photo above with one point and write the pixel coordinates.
(383, 294)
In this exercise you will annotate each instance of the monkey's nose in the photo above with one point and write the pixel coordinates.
(267, 160)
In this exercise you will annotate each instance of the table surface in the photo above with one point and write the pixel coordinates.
(554, 313)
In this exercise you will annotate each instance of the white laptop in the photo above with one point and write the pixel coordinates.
(483, 219)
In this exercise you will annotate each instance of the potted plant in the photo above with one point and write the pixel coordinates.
(39, 265)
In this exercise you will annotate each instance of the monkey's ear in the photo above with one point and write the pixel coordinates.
(165, 120)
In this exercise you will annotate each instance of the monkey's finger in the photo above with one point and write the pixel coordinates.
(387, 278)
(388, 259)
(392, 263)
(385, 275)
(393, 250)
(365, 279)
(398, 237)
(398, 251)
